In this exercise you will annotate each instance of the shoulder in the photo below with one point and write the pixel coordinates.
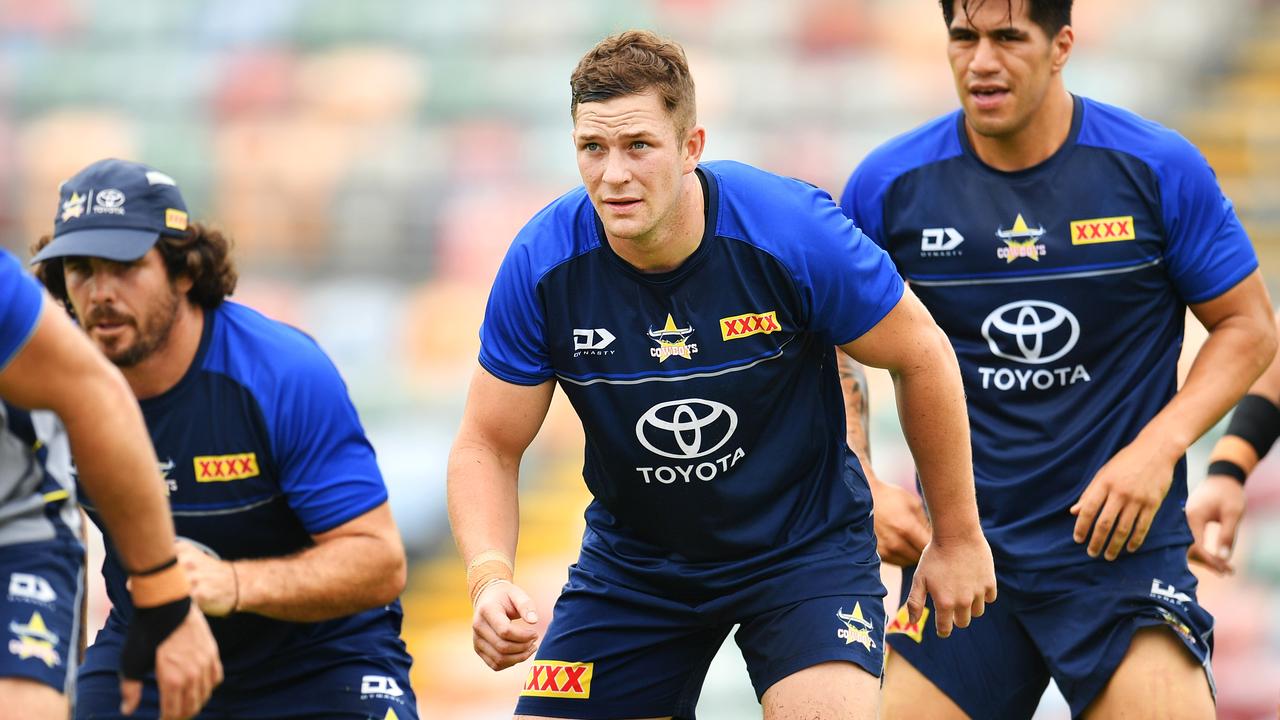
(1122, 131)
(561, 231)
(934, 141)
(759, 206)
(264, 354)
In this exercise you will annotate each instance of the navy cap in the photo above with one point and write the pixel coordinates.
(115, 209)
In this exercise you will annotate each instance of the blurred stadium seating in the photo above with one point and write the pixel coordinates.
(373, 160)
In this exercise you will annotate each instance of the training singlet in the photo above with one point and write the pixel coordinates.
(1063, 288)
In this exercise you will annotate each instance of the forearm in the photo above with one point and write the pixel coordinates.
(484, 508)
(338, 577)
(935, 422)
(117, 467)
(1231, 359)
(857, 401)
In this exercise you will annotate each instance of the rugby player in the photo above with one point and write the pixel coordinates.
(690, 311)
(47, 365)
(292, 552)
(1059, 241)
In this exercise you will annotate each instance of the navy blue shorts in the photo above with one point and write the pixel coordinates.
(41, 611)
(346, 688)
(1073, 624)
(613, 651)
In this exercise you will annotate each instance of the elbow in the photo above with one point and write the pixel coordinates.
(393, 574)
(1263, 345)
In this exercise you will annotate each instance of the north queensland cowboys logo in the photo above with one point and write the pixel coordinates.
(1031, 331)
(686, 429)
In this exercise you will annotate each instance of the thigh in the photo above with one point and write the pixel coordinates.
(847, 629)
(1157, 680)
(990, 669)
(1089, 616)
(612, 651)
(40, 612)
(30, 700)
(829, 690)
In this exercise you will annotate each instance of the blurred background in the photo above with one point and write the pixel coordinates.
(374, 158)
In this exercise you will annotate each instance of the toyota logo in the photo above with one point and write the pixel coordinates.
(1031, 331)
(686, 429)
(110, 198)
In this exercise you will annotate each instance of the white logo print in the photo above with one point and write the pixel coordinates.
(687, 430)
(940, 241)
(1031, 331)
(110, 198)
(591, 341)
(680, 424)
(25, 586)
(1168, 592)
(380, 685)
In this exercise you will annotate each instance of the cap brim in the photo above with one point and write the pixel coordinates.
(119, 244)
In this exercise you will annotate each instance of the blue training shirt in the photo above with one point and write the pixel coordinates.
(709, 395)
(1063, 288)
(261, 449)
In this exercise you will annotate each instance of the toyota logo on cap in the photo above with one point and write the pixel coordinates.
(686, 429)
(1031, 331)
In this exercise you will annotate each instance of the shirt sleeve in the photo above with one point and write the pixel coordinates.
(513, 335)
(853, 282)
(861, 203)
(20, 302)
(1207, 250)
(328, 469)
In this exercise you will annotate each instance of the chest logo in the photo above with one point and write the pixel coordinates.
(672, 341)
(1021, 241)
(740, 326)
(686, 429)
(1102, 230)
(591, 341)
(940, 242)
(1031, 331)
(224, 468)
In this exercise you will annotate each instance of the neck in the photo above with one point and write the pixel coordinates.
(1033, 143)
(163, 368)
(673, 239)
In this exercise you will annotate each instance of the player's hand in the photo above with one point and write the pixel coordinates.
(504, 626)
(902, 530)
(960, 575)
(1218, 499)
(214, 585)
(187, 670)
(1123, 496)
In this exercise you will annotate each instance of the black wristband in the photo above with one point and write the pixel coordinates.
(148, 628)
(1257, 422)
(158, 568)
(1228, 468)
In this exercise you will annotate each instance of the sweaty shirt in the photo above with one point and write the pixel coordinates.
(261, 448)
(1063, 288)
(37, 495)
(715, 439)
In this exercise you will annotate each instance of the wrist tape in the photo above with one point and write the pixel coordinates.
(487, 568)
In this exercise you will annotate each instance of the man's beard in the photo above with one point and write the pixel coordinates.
(149, 337)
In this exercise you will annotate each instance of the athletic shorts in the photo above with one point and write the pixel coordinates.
(40, 610)
(1073, 624)
(614, 651)
(346, 688)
